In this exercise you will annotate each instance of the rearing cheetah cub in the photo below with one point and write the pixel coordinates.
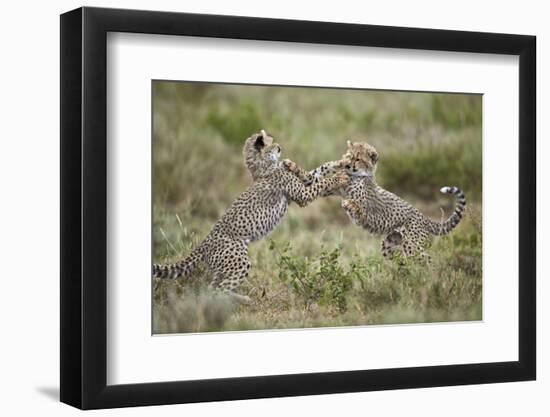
(254, 214)
(380, 211)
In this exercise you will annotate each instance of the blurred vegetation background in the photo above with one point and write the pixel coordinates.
(316, 268)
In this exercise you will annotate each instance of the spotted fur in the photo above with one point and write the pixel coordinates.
(380, 211)
(254, 214)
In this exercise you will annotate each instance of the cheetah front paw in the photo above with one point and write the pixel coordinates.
(342, 179)
(347, 205)
(290, 165)
(301, 174)
(352, 209)
(307, 179)
(350, 206)
(343, 163)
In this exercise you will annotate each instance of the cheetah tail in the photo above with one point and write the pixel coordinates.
(440, 229)
(179, 269)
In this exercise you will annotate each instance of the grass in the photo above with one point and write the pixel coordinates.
(316, 269)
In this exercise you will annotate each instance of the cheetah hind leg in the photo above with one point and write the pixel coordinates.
(239, 298)
(227, 284)
(230, 273)
(391, 244)
(413, 249)
(425, 257)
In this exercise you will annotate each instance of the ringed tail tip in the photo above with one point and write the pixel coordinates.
(449, 190)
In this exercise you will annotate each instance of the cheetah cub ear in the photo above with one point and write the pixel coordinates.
(350, 145)
(374, 157)
(259, 142)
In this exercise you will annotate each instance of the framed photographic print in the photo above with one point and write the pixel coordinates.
(257, 208)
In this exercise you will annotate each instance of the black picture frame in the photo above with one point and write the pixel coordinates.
(84, 207)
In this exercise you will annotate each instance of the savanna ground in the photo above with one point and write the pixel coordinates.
(316, 269)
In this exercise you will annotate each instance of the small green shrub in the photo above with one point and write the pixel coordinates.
(297, 272)
(320, 280)
(336, 281)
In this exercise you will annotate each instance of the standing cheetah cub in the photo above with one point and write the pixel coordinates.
(254, 214)
(380, 211)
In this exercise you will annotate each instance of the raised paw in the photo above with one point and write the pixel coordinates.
(342, 179)
(343, 163)
(307, 179)
(350, 206)
(352, 210)
(290, 165)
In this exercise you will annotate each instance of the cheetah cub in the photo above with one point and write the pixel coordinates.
(380, 211)
(254, 214)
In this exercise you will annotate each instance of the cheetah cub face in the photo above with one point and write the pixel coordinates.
(360, 159)
(261, 154)
(267, 148)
